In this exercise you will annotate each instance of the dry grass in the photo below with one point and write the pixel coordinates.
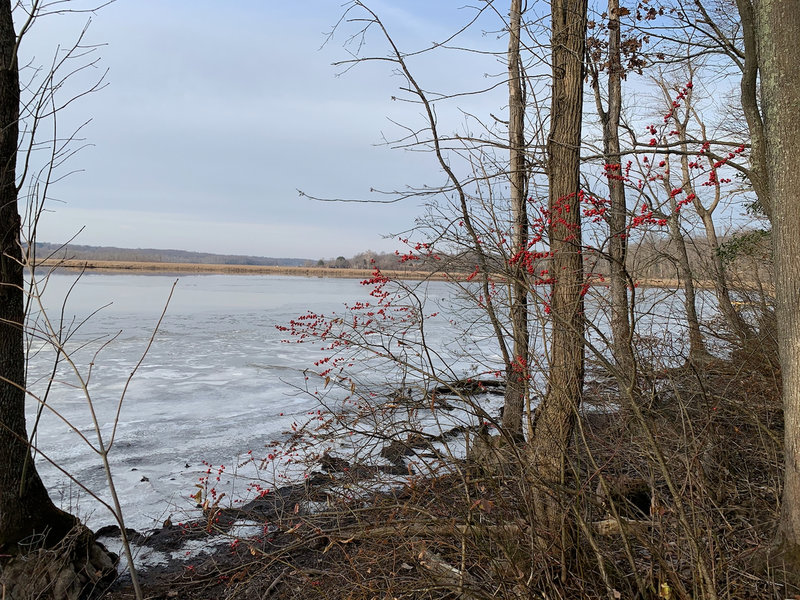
(112, 266)
(116, 266)
(702, 528)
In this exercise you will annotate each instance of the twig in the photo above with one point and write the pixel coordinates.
(275, 583)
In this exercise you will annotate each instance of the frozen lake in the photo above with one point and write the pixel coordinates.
(218, 382)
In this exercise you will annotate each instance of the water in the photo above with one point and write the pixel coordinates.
(218, 381)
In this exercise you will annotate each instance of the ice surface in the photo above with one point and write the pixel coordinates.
(219, 382)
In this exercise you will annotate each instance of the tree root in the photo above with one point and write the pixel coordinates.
(74, 569)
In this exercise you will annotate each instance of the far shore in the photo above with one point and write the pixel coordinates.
(118, 266)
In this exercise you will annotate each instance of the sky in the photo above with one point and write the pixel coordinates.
(213, 114)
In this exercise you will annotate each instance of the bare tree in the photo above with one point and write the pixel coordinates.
(705, 211)
(555, 417)
(698, 353)
(517, 371)
(25, 508)
(29, 520)
(616, 216)
(768, 54)
(474, 226)
(777, 26)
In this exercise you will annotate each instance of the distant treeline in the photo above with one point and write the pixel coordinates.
(745, 255)
(387, 261)
(46, 250)
(651, 257)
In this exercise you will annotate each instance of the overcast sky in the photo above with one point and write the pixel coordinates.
(216, 112)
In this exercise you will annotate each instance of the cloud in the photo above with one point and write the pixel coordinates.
(216, 113)
(280, 237)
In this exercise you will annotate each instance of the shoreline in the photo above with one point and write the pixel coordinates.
(114, 266)
(164, 268)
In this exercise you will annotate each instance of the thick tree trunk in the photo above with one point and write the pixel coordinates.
(26, 511)
(778, 32)
(517, 372)
(555, 417)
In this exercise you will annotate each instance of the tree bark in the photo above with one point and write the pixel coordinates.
(778, 34)
(555, 417)
(26, 511)
(517, 371)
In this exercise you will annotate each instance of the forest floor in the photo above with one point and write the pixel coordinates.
(700, 517)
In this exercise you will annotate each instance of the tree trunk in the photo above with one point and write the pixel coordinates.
(616, 218)
(748, 93)
(517, 372)
(735, 322)
(26, 511)
(778, 32)
(555, 417)
(697, 348)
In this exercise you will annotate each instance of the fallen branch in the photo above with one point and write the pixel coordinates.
(447, 575)
(612, 526)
